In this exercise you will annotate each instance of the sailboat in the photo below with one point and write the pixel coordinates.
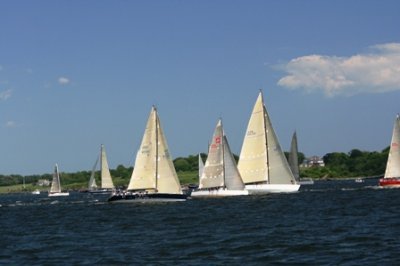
(392, 173)
(294, 162)
(106, 180)
(220, 176)
(262, 163)
(55, 189)
(154, 177)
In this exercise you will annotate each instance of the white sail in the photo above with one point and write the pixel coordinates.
(213, 173)
(92, 181)
(262, 159)
(220, 176)
(106, 180)
(167, 179)
(201, 166)
(55, 184)
(154, 169)
(233, 179)
(253, 156)
(393, 162)
(293, 158)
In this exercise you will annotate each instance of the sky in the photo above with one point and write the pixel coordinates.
(77, 74)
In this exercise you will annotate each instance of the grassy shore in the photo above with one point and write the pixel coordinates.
(185, 178)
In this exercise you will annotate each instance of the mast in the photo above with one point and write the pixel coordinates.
(223, 154)
(156, 172)
(266, 136)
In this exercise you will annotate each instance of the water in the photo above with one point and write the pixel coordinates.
(329, 223)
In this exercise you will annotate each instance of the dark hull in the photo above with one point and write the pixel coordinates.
(100, 191)
(140, 197)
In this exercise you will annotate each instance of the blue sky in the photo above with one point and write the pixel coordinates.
(75, 74)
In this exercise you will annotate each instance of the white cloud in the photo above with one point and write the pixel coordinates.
(374, 72)
(4, 95)
(10, 124)
(63, 80)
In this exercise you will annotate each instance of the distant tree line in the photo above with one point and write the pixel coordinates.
(355, 163)
(337, 164)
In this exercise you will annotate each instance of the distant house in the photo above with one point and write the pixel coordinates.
(313, 162)
(43, 182)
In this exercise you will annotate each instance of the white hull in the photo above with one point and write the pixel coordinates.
(219, 193)
(306, 181)
(36, 192)
(58, 194)
(272, 188)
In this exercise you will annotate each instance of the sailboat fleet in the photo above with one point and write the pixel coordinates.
(262, 167)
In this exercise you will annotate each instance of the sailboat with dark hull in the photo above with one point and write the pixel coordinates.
(262, 163)
(154, 177)
(392, 172)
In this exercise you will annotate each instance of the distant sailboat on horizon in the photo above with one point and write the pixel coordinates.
(107, 184)
(294, 162)
(262, 164)
(154, 177)
(392, 172)
(55, 189)
(220, 176)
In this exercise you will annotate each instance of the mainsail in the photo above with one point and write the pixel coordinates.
(220, 169)
(393, 162)
(293, 158)
(213, 173)
(261, 158)
(154, 169)
(55, 184)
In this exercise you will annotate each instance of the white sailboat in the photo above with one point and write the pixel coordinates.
(392, 172)
(262, 163)
(107, 184)
(55, 189)
(294, 162)
(154, 177)
(220, 176)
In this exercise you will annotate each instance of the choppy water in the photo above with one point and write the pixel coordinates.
(329, 223)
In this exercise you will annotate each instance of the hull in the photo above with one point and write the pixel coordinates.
(36, 192)
(100, 191)
(306, 181)
(272, 188)
(389, 182)
(58, 194)
(142, 197)
(219, 193)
